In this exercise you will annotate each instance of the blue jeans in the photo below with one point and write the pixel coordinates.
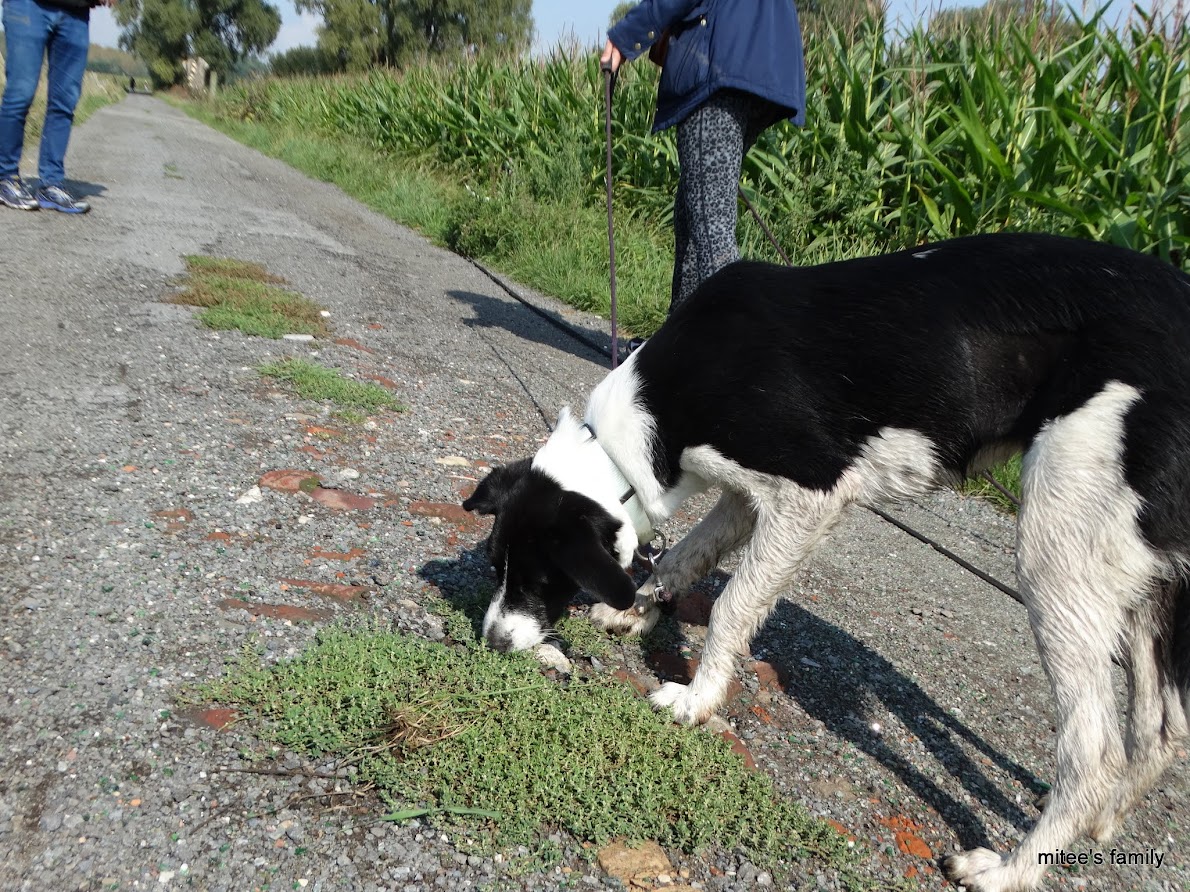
(34, 32)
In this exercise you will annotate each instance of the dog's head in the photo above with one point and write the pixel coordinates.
(547, 543)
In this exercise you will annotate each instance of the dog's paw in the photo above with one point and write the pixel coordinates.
(636, 620)
(982, 870)
(1104, 828)
(552, 658)
(688, 709)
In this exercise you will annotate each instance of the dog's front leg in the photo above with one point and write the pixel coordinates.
(790, 522)
(725, 528)
(636, 620)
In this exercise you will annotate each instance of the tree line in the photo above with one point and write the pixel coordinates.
(356, 35)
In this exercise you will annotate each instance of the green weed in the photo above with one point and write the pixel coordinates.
(1008, 475)
(317, 382)
(485, 745)
(239, 296)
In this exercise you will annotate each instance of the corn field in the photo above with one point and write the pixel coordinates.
(910, 137)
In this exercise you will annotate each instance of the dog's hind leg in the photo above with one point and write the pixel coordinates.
(790, 522)
(725, 528)
(1156, 715)
(1083, 566)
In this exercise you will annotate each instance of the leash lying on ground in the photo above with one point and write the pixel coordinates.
(609, 83)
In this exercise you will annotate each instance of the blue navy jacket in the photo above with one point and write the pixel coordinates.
(750, 45)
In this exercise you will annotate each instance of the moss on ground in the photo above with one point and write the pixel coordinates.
(312, 381)
(236, 295)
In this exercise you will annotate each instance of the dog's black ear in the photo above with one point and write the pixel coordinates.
(583, 557)
(493, 490)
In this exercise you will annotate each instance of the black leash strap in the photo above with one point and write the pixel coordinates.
(767, 231)
(609, 81)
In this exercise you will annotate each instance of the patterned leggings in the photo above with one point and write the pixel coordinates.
(712, 142)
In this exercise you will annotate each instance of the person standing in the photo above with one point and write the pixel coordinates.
(730, 69)
(37, 31)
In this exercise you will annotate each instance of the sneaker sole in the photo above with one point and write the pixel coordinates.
(19, 207)
(50, 206)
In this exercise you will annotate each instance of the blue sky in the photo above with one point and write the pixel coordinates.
(555, 19)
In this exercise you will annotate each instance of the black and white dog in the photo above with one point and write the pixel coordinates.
(799, 391)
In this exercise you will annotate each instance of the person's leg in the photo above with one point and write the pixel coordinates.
(685, 277)
(25, 31)
(67, 51)
(712, 143)
(710, 152)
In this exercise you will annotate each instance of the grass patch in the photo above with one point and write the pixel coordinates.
(1007, 475)
(236, 295)
(316, 382)
(484, 745)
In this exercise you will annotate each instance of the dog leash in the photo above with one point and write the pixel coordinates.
(609, 81)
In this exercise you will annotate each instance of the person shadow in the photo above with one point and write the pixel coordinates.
(535, 324)
(852, 678)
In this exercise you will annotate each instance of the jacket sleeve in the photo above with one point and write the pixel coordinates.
(641, 27)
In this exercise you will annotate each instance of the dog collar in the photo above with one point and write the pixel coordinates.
(630, 498)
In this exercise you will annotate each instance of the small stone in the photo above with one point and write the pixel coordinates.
(251, 497)
(303, 338)
(549, 656)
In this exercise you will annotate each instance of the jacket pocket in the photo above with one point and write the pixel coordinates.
(687, 60)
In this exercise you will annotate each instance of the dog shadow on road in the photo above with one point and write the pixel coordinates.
(847, 678)
(465, 583)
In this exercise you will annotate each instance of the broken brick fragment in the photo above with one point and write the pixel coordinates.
(290, 481)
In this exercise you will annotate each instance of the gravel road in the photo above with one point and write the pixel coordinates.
(144, 542)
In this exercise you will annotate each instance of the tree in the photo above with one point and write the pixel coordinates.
(363, 33)
(224, 32)
(159, 32)
(304, 61)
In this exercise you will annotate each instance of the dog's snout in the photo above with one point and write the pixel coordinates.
(501, 642)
